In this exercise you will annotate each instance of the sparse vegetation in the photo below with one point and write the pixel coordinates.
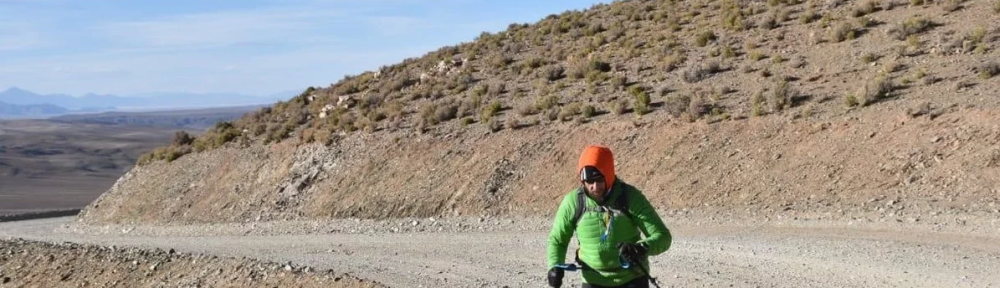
(988, 70)
(781, 96)
(850, 100)
(757, 103)
(842, 32)
(874, 91)
(950, 5)
(677, 104)
(641, 100)
(868, 57)
(543, 70)
(913, 25)
(618, 107)
(704, 37)
(698, 72)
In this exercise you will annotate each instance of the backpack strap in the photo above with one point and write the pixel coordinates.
(581, 205)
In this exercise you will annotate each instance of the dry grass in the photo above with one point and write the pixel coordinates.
(594, 57)
(912, 26)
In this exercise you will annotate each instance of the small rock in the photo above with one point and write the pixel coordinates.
(5, 280)
(936, 139)
(415, 223)
(154, 266)
(288, 267)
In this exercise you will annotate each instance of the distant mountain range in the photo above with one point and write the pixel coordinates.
(30, 111)
(20, 103)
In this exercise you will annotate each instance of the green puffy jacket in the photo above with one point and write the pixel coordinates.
(602, 256)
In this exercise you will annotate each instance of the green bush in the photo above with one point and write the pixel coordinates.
(490, 111)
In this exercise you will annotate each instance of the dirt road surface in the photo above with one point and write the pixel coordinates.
(703, 254)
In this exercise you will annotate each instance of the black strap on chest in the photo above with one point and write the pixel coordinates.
(621, 204)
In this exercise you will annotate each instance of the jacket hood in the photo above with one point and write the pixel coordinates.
(601, 158)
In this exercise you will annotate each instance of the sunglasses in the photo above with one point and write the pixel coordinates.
(592, 181)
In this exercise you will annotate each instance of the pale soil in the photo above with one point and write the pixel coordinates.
(709, 250)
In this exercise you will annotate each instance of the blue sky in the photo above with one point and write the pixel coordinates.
(254, 47)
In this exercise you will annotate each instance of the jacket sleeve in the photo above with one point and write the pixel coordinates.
(562, 231)
(658, 237)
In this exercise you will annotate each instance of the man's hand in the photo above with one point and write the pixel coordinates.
(555, 277)
(633, 252)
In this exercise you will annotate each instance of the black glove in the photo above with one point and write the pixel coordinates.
(633, 252)
(555, 277)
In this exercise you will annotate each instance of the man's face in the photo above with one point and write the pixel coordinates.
(596, 188)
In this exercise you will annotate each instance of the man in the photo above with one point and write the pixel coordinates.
(612, 252)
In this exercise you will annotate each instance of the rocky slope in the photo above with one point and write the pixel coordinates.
(824, 107)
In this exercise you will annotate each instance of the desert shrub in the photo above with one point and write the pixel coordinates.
(588, 111)
(781, 96)
(865, 8)
(618, 82)
(850, 100)
(553, 72)
(511, 123)
(768, 22)
(490, 110)
(697, 72)
(641, 100)
(527, 110)
(500, 61)
(704, 37)
(446, 112)
(534, 62)
(875, 90)
(912, 25)
(677, 104)
(182, 138)
(988, 70)
(546, 102)
(841, 32)
(950, 5)
(617, 107)
(757, 103)
(569, 111)
(727, 52)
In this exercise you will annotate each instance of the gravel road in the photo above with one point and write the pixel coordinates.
(704, 254)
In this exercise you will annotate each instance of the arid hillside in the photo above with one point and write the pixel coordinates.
(831, 108)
